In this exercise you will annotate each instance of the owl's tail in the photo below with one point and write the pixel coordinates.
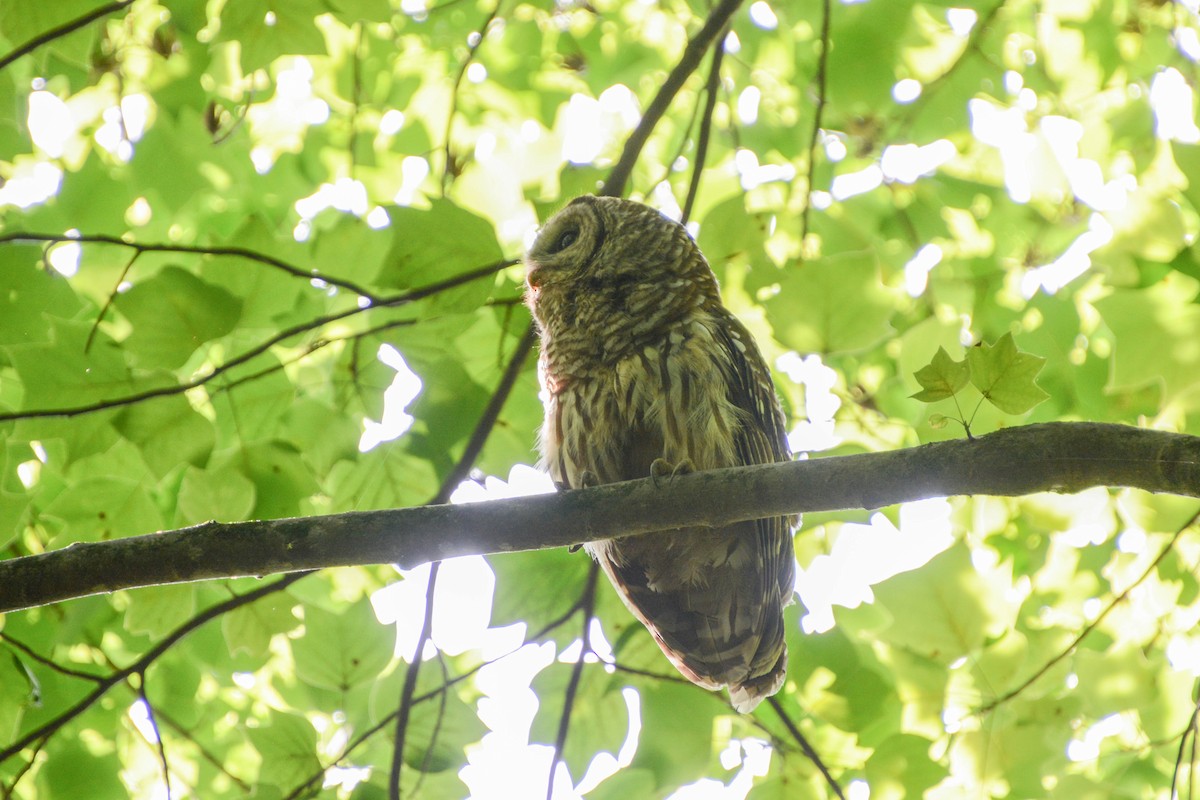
(746, 696)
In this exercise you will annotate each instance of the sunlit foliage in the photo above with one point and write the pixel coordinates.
(235, 236)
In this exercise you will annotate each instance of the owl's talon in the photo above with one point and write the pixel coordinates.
(661, 468)
(588, 479)
(575, 548)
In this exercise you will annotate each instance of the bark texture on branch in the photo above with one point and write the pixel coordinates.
(1059, 457)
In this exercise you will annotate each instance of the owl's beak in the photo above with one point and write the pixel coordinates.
(531, 275)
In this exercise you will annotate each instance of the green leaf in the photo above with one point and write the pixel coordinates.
(250, 628)
(156, 610)
(1155, 331)
(430, 245)
(219, 494)
(281, 480)
(830, 305)
(75, 770)
(266, 30)
(99, 508)
(901, 767)
(684, 718)
(169, 432)
(941, 378)
(172, 314)
(561, 578)
(599, 718)
(342, 650)
(439, 728)
(1005, 375)
(29, 295)
(65, 372)
(287, 747)
(941, 611)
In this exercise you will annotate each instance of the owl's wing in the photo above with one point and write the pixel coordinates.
(761, 439)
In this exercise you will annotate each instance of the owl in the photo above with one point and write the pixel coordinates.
(644, 372)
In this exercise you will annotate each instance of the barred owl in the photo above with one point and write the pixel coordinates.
(645, 371)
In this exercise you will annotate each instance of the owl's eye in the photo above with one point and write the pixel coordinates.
(565, 240)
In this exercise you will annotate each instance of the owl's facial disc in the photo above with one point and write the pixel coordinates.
(565, 246)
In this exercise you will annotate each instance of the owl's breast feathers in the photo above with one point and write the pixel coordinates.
(699, 392)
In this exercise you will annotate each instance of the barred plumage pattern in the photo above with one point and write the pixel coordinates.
(640, 361)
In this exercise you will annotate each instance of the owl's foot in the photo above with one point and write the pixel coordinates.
(661, 468)
(587, 479)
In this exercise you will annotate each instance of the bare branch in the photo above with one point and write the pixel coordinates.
(807, 748)
(1083, 634)
(61, 31)
(692, 55)
(1059, 456)
(710, 103)
(237, 252)
(403, 298)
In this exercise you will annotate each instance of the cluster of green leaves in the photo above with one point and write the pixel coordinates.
(1003, 375)
(225, 373)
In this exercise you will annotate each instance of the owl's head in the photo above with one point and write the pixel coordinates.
(599, 252)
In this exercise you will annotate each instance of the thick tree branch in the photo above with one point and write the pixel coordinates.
(1059, 456)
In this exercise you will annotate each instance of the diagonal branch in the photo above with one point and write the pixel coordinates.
(1061, 456)
(1083, 634)
(692, 55)
(62, 30)
(805, 746)
(710, 103)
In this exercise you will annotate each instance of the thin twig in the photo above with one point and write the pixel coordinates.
(49, 663)
(62, 30)
(692, 56)
(472, 47)
(248, 355)
(930, 88)
(710, 103)
(818, 113)
(410, 685)
(108, 301)
(587, 603)
(206, 754)
(1189, 733)
(317, 776)
(483, 428)
(1066, 651)
(158, 738)
(237, 252)
(794, 730)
